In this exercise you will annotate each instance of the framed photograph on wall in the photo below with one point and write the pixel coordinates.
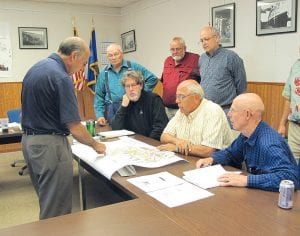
(223, 19)
(128, 41)
(33, 38)
(276, 16)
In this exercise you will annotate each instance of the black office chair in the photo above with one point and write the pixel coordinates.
(15, 116)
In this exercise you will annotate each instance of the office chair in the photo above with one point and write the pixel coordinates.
(15, 116)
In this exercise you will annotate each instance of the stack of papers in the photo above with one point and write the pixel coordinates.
(115, 134)
(169, 189)
(205, 177)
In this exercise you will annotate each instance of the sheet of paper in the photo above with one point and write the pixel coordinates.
(149, 183)
(115, 133)
(205, 177)
(180, 194)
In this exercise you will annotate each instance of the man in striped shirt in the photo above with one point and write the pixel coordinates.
(200, 126)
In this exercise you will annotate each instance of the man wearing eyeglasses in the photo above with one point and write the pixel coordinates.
(200, 126)
(109, 91)
(141, 111)
(222, 71)
(266, 154)
(180, 66)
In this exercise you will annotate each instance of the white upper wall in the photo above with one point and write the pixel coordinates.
(57, 18)
(156, 22)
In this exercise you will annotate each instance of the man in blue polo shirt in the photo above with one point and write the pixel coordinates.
(109, 91)
(49, 114)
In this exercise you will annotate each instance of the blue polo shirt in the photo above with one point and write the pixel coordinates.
(48, 97)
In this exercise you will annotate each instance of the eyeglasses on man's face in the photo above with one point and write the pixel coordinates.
(176, 49)
(180, 97)
(206, 39)
(129, 86)
(111, 55)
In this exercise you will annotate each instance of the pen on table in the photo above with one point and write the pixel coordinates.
(162, 178)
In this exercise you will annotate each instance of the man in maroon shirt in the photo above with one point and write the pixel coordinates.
(181, 65)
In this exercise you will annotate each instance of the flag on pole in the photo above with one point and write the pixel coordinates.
(78, 78)
(93, 68)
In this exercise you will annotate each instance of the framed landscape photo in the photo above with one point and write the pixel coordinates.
(223, 20)
(128, 41)
(33, 38)
(276, 16)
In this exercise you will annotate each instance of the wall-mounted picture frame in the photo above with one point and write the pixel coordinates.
(276, 16)
(33, 38)
(223, 20)
(128, 41)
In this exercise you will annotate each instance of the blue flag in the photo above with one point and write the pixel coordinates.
(93, 68)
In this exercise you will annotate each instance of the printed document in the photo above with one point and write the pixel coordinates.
(205, 177)
(169, 189)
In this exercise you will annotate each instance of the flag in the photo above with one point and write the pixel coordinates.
(93, 68)
(78, 78)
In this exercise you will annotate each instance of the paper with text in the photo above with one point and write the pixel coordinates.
(169, 189)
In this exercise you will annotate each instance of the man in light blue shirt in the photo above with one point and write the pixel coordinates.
(222, 71)
(109, 91)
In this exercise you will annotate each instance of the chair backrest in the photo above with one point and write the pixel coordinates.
(14, 115)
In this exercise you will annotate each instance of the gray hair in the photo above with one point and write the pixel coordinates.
(179, 40)
(134, 75)
(195, 88)
(71, 44)
(114, 46)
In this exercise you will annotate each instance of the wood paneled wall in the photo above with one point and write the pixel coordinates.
(10, 97)
(269, 92)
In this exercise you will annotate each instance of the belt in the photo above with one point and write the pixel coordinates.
(226, 106)
(45, 132)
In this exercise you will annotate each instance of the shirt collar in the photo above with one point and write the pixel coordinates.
(59, 60)
(215, 52)
(254, 136)
(194, 113)
(124, 64)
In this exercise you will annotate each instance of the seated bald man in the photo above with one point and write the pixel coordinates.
(199, 128)
(267, 156)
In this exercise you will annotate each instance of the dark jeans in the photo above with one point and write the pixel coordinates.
(111, 110)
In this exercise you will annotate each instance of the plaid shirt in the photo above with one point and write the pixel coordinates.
(267, 156)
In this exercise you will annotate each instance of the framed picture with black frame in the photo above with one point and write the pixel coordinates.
(276, 16)
(128, 41)
(33, 38)
(223, 20)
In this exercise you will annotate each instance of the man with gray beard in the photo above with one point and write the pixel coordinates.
(180, 66)
(140, 111)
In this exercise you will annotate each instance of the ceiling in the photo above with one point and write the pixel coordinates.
(104, 3)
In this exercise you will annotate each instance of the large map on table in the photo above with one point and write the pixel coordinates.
(123, 152)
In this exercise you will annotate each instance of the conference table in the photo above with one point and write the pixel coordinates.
(231, 211)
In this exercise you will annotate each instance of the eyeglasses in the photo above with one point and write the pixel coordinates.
(206, 39)
(111, 55)
(128, 86)
(175, 49)
(180, 97)
(232, 110)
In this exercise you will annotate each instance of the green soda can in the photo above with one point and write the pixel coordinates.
(90, 126)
